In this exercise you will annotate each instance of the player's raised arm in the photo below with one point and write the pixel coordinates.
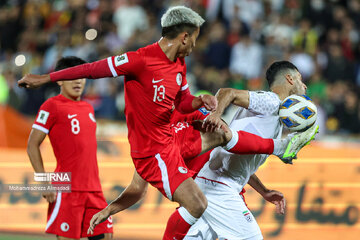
(126, 64)
(225, 96)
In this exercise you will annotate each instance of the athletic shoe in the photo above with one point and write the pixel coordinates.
(297, 142)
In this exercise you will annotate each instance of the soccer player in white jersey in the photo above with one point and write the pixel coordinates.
(223, 177)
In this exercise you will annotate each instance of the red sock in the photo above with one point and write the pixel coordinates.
(176, 227)
(248, 143)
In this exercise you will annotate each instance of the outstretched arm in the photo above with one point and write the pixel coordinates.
(131, 195)
(98, 69)
(129, 63)
(272, 196)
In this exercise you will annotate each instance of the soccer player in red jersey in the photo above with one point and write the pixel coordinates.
(155, 81)
(71, 127)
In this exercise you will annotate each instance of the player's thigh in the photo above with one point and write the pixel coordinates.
(164, 171)
(227, 213)
(189, 195)
(94, 204)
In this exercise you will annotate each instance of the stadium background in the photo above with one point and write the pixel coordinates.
(238, 41)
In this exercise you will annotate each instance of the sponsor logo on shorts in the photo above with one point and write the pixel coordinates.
(247, 216)
(64, 227)
(183, 170)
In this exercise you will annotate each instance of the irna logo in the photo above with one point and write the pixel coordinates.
(53, 177)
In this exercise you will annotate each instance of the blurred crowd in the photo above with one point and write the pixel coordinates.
(238, 41)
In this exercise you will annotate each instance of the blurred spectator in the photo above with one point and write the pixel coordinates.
(304, 62)
(305, 38)
(347, 113)
(129, 17)
(338, 67)
(217, 53)
(246, 58)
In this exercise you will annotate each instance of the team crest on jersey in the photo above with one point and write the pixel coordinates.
(247, 216)
(91, 116)
(42, 117)
(179, 79)
(119, 60)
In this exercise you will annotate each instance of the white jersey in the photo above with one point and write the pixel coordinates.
(261, 118)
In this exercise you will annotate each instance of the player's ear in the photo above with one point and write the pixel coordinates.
(184, 37)
(289, 79)
(60, 83)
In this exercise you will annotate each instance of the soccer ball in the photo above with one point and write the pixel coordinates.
(298, 113)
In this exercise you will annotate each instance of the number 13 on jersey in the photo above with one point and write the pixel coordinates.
(159, 93)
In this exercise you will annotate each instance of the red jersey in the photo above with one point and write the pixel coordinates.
(152, 83)
(71, 128)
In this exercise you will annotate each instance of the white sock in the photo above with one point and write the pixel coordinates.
(187, 216)
(281, 144)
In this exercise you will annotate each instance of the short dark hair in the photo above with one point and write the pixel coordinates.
(275, 68)
(67, 62)
(173, 31)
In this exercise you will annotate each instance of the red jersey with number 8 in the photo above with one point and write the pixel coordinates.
(71, 128)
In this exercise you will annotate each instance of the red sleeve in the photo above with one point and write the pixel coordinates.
(130, 63)
(126, 64)
(46, 117)
(183, 101)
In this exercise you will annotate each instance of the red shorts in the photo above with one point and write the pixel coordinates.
(175, 163)
(69, 216)
(189, 140)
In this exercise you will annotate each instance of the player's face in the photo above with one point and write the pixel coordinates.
(189, 43)
(299, 88)
(73, 89)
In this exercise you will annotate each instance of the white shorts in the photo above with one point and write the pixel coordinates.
(201, 230)
(227, 213)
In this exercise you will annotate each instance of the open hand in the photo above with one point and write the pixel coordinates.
(276, 198)
(97, 219)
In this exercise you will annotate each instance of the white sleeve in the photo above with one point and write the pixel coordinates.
(264, 103)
